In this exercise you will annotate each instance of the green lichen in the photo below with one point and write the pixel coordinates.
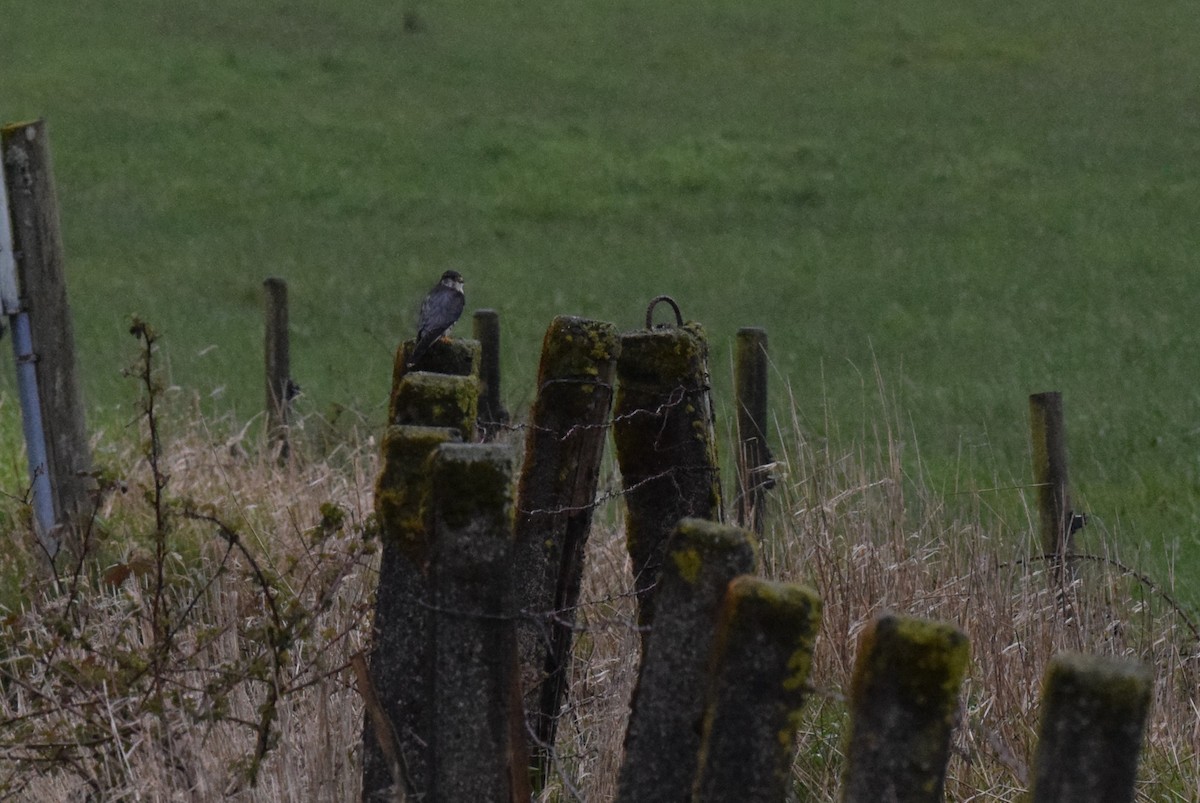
(443, 400)
(402, 484)
(473, 485)
(1112, 687)
(904, 698)
(934, 656)
(687, 564)
(577, 348)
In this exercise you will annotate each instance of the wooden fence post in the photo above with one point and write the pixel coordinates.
(492, 415)
(1094, 713)
(37, 246)
(764, 649)
(753, 476)
(277, 352)
(478, 744)
(556, 497)
(662, 742)
(665, 443)
(1049, 441)
(903, 707)
(401, 659)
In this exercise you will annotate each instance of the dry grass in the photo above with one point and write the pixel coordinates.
(849, 523)
(88, 713)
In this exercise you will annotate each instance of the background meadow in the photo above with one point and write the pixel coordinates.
(936, 209)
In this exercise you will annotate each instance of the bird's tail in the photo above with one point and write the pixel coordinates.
(422, 346)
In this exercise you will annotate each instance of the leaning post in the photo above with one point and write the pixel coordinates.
(1094, 713)
(765, 640)
(556, 498)
(662, 741)
(903, 708)
(665, 444)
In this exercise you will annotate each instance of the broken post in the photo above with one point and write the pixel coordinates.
(478, 745)
(445, 359)
(38, 249)
(666, 448)
(754, 457)
(492, 415)
(556, 499)
(903, 708)
(1094, 713)
(662, 741)
(401, 658)
(765, 641)
(277, 353)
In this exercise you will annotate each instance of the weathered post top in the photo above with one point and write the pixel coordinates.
(904, 705)
(1094, 711)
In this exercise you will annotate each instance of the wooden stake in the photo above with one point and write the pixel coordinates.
(1049, 441)
(278, 362)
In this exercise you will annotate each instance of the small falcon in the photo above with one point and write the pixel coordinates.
(439, 311)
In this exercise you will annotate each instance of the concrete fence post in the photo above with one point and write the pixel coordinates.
(449, 358)
(478, 744)
(662, 742)
(401, 664)
(1094, 712)
(665, 443)
(564, 444)
(765, 641)
(903, 708)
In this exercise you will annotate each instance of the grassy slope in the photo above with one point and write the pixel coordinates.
(983, 201)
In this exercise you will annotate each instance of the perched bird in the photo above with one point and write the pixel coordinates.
(439, 311)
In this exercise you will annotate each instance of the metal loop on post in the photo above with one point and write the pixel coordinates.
(654, 303)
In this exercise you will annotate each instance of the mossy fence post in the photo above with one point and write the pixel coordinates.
(665, 444)
(401, 658)
(564, 444)
(449, 379)
(38, 252)
(903, 709)
(1057, 521)
(492, 415)
(448, 397)
(427, 410)
(1094, 713)
(754, 457)
(765, 640)
(478, 742)
(277, 356)
(662, 742)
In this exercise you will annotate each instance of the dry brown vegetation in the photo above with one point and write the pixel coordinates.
(118, 687)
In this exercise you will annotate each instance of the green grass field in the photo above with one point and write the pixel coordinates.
(975, 201)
